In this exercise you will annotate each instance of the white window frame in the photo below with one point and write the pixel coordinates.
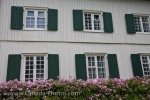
(145, 55)
(141, 23)
(36, 10)
(92, 20)
(105, 64)
(23, 66)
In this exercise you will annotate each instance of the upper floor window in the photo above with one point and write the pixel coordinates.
(35, 19)
(93, 22)
(142, 23)
(96, 66)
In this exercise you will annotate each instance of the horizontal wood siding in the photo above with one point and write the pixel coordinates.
(65, 32)
(62, 42)
(67, 53)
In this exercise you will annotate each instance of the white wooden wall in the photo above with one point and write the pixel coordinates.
(67, 42)
(65, 22)
(67, 53)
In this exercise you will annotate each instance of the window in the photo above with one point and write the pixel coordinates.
(142, 23)
(29, 18)
(95, 66)
(35, 19)
(93, 22)
(146, 65)
(35, 67)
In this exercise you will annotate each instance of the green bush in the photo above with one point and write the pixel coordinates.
(100, 89)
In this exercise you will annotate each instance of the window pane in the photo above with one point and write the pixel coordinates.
(37, 62)
(30, 22)
(146, 65)
(40, 22)
(39, 67)
(145, 24)
(88, 21)
(96, 67)
(40, 14)
(97, 22)
(27, 71)
(101, 67)
(92, 73)
(42, 66)
(27, 58)
(36, 19)
(42, 62)
(30, 13)
(26, 76)
(27, 63)
(38, 58)
(42, 58)
(29, 68)
(101, 73)
(91, 61)
(137, 24)
(34, 68)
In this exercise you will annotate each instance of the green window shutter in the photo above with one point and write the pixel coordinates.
(16, 18)
(13, 68)
(53, 66)
(53, 19)
(113, 66)
(78, 20)
(80, 63)
(130, 23)
(136, 65)
(108, 23)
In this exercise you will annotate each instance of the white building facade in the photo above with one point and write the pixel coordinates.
(79, 39)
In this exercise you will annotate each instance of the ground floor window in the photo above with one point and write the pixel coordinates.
(145, 60)
(35, 67)
(96, 66)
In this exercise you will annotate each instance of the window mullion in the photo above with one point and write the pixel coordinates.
(36, 15)
(101, 22)
(93, 67)
(142, 64)
(87, 67)
(149, 62)
(45, 73)
(142, 28)
(105, 67)
(92, 21)
(34, 68)
(25, 19)
(149, 23)
(45, 16)
(84, 21)
(96, 67)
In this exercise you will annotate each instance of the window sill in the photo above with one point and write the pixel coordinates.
(93, 31)
(96, 79)
(143, 33)
(29, 29)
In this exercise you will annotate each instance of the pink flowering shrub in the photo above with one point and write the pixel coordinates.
(112, 89)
